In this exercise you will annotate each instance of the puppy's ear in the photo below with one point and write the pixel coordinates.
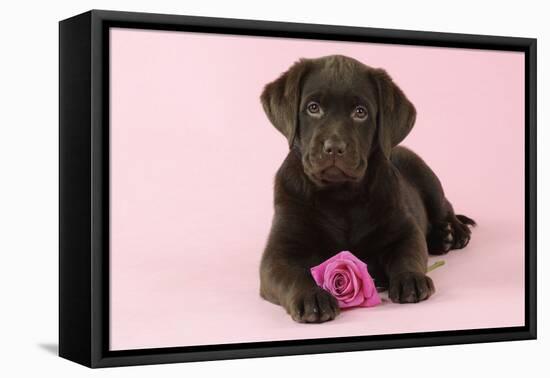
(396, 114)
(281, 100)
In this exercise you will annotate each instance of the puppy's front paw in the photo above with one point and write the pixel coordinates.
(313, 306)
(410, 287)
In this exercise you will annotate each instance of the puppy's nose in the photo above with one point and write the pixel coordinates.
(334, 147)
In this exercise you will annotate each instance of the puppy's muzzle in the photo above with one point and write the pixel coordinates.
(335, 162)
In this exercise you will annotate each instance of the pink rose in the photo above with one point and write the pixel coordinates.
(348, 280)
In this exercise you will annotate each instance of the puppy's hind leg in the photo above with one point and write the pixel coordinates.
(452, 231)
(446, 230)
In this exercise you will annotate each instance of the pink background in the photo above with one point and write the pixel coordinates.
(192, 164)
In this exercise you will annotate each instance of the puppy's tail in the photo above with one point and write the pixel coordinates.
(464, 219)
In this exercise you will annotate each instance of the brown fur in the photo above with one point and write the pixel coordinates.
(346, 185)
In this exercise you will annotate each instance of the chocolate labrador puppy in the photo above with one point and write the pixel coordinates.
(346, 185)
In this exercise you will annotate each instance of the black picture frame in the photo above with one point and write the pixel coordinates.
(84, 187)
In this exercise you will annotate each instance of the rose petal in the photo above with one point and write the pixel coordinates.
(341, 281)
(359, 289)
(328, 276)
(318, 274)
(369, 288)
(342, 267)
(355, 286)
(357, 301)
(330, 283)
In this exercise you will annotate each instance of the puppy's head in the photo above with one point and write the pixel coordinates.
(337, 111)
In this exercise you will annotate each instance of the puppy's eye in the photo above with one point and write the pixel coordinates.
(360, 113)
(313, 108)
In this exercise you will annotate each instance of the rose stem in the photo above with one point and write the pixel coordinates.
(435, 265)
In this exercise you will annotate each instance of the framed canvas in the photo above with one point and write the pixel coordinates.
(235, 188)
